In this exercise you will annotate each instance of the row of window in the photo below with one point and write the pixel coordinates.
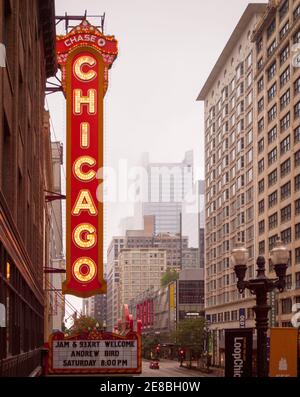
(285, 190)
(273, 221)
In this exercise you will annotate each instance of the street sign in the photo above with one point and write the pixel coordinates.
(94, 353)
(84, 56)
(238, 352)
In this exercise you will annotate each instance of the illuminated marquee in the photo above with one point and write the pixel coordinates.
(94, 352)
(84, 56)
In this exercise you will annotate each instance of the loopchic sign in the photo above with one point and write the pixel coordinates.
(84, 56)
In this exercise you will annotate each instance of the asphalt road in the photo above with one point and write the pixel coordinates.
(168, 368)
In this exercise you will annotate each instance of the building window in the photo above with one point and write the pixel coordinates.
(261, 166)
(285, 99)
(273, 221)
(285, 145)
(297, 207)
(261, 247)
(283, 10)
(288, 281)
(272, 178)
(284, 77)
(297, 231)
(285, 191)
(260, 125)
(297, 182)
(297, 86)
(261, 186)
(272, 199)
(261, 227)
(261, 206)
(271, 28)
(272, 113)
(297, 255)
(284, 31)
(286, 235)
(297, 135)
(259, 45)
(285, 168)
(272, 92)
(297, 158)
(297, 110)
(285, 213)
(297, 276)
(284, 55)
(259, 64)
(286, 306)
(234, 315)
(260, 84)
(272, 241)
(272, 156)
(260, 145)
(260, 105)
(285, 122)
(272, 134)
(296, 37)
(296, 12)
(271, 48)
(272, 71)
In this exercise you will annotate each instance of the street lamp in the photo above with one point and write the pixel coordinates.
(260, 286)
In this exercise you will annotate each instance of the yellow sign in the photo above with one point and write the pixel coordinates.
(283, 352)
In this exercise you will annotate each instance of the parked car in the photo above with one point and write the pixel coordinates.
(154, 365)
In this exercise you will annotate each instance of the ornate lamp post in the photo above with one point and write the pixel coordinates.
(260, 286)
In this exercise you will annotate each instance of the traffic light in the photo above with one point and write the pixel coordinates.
(181, 353)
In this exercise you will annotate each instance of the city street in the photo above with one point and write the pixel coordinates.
(170, 368)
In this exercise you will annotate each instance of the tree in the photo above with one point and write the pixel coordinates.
(168, 277)
(83, 324)
(189, 334)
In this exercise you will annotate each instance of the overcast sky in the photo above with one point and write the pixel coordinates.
(167, 49)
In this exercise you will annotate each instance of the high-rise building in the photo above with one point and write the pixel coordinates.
(277, 143)
(57, 259)
(163, 191)
(113, 278)
(28, 33)
(96, 307)
(139, 269)
(230, 176)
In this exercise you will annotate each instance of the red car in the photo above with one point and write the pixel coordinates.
(154, 365)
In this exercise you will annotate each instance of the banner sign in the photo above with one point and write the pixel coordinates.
(84, 56)
(238, 352)
(283, 352)
(93, 353)
(242, 318)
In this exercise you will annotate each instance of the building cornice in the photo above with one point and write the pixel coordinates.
(251, 10)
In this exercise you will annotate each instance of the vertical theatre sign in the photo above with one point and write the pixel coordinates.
(84, 57)
(238, 352)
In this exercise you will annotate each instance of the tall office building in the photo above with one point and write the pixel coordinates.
(57, 259)
(163, 191)
(229, 177)
(139, 270)
(277, 143)
(113, 278)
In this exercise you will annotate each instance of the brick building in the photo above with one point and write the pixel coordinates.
(27, 29)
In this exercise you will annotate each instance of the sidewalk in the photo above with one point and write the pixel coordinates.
(218, 372)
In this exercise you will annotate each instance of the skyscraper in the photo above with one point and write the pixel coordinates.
(164, 191)
(229, 176)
